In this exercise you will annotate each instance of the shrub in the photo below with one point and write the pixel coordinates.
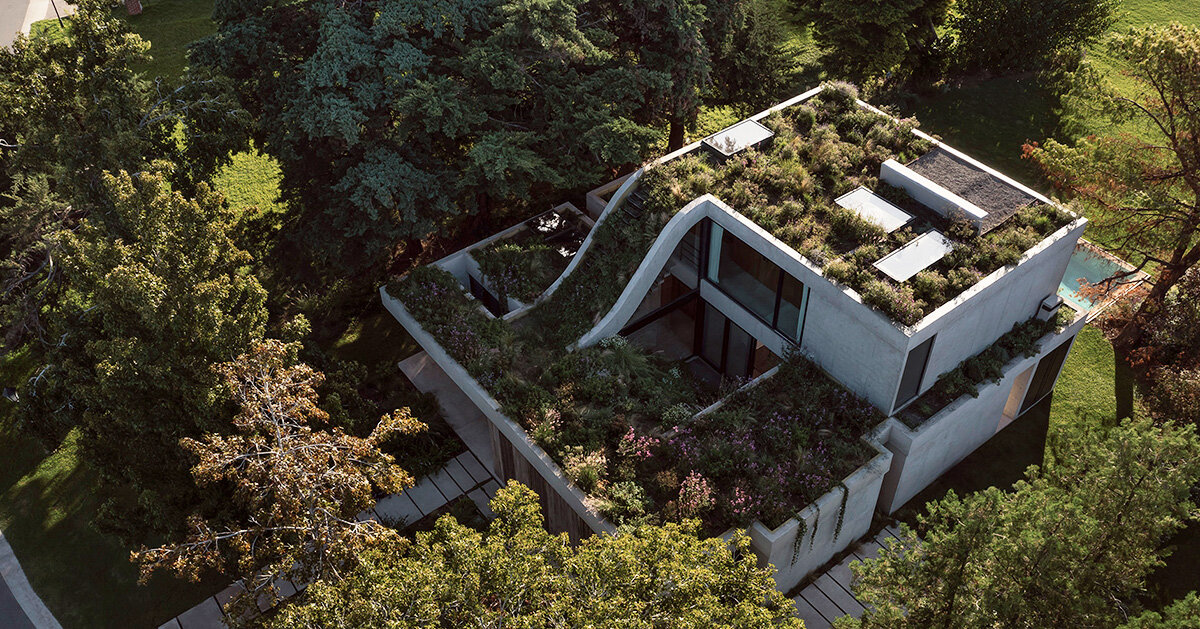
(931, 287)
(585, 469)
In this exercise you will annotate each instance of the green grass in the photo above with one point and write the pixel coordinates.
(169, 26)
(47, 502)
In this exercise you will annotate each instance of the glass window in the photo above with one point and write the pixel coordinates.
(791, 308)
(914, 372)
(746, 275)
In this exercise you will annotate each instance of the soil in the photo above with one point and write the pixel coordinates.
(999, 199)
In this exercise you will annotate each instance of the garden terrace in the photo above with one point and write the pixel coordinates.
(984, 367)
(514, 267)
(623, 424)
(829, 146)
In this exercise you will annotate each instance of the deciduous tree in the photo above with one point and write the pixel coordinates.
(159, 294)
(296, 490)
(1063, 549)
(1143, 192)
(517, 574)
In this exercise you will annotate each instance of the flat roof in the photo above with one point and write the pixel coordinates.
(916, 256)
(739, 137)
(874, 208)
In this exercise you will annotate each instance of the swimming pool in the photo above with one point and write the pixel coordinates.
(1090, 264)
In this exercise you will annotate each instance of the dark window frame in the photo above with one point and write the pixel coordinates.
(706, 247)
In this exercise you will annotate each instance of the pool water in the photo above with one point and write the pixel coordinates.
(1089, 264)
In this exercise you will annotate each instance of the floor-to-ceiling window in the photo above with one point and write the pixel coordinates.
(755, 282)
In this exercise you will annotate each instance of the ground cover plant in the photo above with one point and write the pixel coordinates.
(520, 270)
(821, 150)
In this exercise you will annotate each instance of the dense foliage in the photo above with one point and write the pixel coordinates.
(781, 444)
(1064, 549)
(517, 574)
(296, 490)
(72, 109)
(862, 40)
(1012, 35)
(1143, 195)
(163, 296)
(520, 270)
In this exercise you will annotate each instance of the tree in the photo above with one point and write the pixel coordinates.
(748, 65)
(394, 120)
(1182, 614)
(1143, 193)
(517, 574)
(160, 294)
(71, 109)
(296, 490)
(1012, 35)
(863, 40)
(1062, 549)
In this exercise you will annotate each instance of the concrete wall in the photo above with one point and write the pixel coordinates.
(929, 193)
(850, 340)
(566, 505)
(820, 536)
(923, 454)
(974, 320)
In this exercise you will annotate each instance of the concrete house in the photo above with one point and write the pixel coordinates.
(833, 246)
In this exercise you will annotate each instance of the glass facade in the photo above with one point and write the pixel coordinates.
(755, 282)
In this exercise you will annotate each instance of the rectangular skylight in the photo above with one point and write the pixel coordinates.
(874, 208)
(737, 138)
(916, 256)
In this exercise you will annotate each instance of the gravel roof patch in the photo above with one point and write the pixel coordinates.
(999, 199)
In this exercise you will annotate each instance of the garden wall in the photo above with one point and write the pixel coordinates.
(515, 453)
(821, 535)
(927, 452)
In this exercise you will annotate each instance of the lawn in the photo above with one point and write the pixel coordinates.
(47, 501)
(169, 26)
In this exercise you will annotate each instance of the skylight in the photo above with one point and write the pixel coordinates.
(916, 256)
(874, 208)
(738, 138)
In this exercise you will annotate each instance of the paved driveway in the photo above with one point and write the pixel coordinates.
(17, 15)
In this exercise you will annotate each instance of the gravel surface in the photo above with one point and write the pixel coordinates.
(999, 199)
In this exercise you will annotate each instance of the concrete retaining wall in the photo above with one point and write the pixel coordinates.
(818, 528)
(927, 452)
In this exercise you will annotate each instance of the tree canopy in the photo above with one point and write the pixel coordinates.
(1142, 192)
(392, 120)
(296, 490)
(159, 294)
(516, 573)
(1064, 548)
(871, 38)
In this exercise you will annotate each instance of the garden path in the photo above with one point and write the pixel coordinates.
(828, 596)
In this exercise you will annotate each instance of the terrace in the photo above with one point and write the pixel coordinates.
(597, 370)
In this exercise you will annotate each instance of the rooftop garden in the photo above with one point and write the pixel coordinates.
(986, 366)
(822, 149)
(623, 425)
(525, 265)
(621, 422)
